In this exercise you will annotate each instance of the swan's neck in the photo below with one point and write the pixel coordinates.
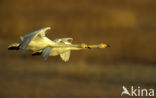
(77, 48)
(93, 46)
(65, 45)
(69, 46)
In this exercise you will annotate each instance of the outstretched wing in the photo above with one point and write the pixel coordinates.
(65, 56)
(67, 40)
(64, 40)
(46, 52)
(27, 38)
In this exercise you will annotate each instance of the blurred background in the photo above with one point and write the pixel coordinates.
(129, 26)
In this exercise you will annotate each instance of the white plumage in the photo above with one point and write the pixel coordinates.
(37, 42)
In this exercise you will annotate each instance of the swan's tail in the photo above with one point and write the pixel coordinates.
(14, 46)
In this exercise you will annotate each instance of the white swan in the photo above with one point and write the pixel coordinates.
(33, 41)
(63, 51)
(37, 42)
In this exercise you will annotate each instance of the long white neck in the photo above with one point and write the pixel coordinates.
(77, 48)
(69, 46)
(93, 46)
(65, 45)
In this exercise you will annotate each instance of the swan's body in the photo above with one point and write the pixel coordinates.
(63, 50)
(37, 42)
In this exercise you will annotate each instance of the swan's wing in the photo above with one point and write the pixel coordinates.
(57, 40)
(46, 52)
(64, 40)
(38, 34)
(65, 56)
(67, 40)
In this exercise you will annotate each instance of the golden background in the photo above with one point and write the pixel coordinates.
(129, 26)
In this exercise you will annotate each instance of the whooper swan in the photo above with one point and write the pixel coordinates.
(37, 42)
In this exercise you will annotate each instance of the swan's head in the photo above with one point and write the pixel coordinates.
(84, 45)
(102, 45)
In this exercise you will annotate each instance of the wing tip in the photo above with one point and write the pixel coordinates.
(47, 28)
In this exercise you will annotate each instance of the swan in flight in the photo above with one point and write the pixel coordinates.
(39, 44)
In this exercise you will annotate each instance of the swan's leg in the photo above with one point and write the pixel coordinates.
(14, 46)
